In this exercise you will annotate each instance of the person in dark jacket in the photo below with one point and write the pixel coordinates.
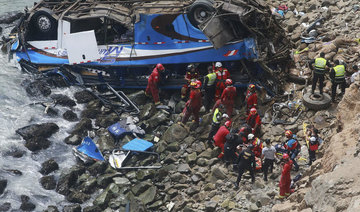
(232, 141)
(337, 76)
(246, 161)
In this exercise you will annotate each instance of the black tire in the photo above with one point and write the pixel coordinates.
(316, 101)
(45, 25)
(200, 11)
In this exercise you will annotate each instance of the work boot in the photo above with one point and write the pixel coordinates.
(265, 179)
(236, 185)
(312, 91)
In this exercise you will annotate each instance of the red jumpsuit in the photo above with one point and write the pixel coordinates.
(227, 99)
(193, 106)
(221, 75)
(254, 121)
(251, 100)
(152, 87)
(258, 146)
(220, 139)
(285, 180)
(189, 76)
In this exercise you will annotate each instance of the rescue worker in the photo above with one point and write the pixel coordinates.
(256, 142)
(244, 131)
(220, 137)
(153, 81)
(228, 97)
(285, 180)
(232, 141)
(221, 75)
(251, 98)
(246, 161)
(217, 117)
(337, 76)
(209, 88)
(293, 147)
(254, 121)
(193, 105)
(191, 76)
(319, 70)
(268, 158)
(313, 146)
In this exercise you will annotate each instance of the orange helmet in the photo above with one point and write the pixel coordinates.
(198, 84)
(285, 156)
(228, 124)
(228, 82)
(160, 67)
(253, 111)
(288, 133)
(251, 87)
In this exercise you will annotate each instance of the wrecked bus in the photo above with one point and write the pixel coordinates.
(118, 42)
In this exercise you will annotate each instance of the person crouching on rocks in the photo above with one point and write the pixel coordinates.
(193, 105)
(220, 137)
(246, 161)
(285, 180)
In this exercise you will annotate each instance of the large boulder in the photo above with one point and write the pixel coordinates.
(175, 133)
(3, 184)
(26, 205)
(68, 179)
(106, 141)
(48, 182)
(77, 197)
(82, 127)
(63, 100)
(83, 97)
(157, 119)
(37, 88)
(149, 195)
(72, 208)
(49, 166)
(138, 98)
(38, 130)
(70, 116)
(103, 199)
(38, 143)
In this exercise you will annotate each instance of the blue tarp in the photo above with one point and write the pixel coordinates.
(88, 147)
(138, 144)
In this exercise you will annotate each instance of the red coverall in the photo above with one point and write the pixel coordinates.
(227, 99)
(152, 87)
(221, 75)
(251, 100)
(258, 146)
(285, 179)
(254, 121)
(220, 139)
(189, 76)
(193, 106)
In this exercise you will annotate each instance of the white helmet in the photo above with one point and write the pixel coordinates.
(218, 64)
(313, 139)
(250, 136)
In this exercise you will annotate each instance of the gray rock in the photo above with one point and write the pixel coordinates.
(77, 197)
(89, 186)
(147, 111)
(145, 174)
(73, 139)
(63, 100)
(98, 168)
(68, 178)
(201, 162)
(38, 88)
(141, 187)
(38, 130)
(177, 177)
(263, 199)
(216, 174)
(92, 209)
(184, 168)
(157, 119)
(48, 182)
(83, 97)
(121, 181)
(106, 142)
(103, 199)
(210, 206)
(104, 180)
(70, 116)
(82, 127)
(5, 207)
(155, 205)
(149, 195)
(36, 144)
(161, 147)
(106, 120)
(175, 133)
(138, 98)
(26, 205)
(49, 166)
(195, 178)
(173, 147)
(253, 207)
(191, 158)
(72, 208)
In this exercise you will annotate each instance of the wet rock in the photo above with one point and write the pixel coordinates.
(103, 199)
(68, 178)
(70, 116)
(48, 182)
(149, 195)
(73, 140)
(63, 100)
(5, 207)
(10, 17)
(210, 206)
(72, 208)
(83, 97)
(38, 130)
(49, 166)
(147, 111)
(104, 180)
(51, 208)
(14, 172)
(38, 88)
(77, 197)
(184, 168)
(89, 186)
(92, 209)
(35, 144)
(106, 142)
(138, 98)
(157, 119)
(82, 127)
(121, 181)
(175, 133)
(16, 153)
(26, 205)
(106, 120)
(3, 184)
(141, 187)
(97, 168)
